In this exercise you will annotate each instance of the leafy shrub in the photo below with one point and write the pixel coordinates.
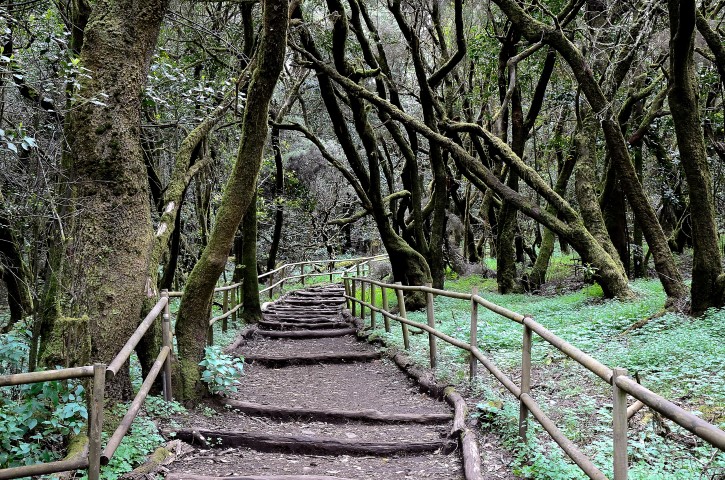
(222, 372)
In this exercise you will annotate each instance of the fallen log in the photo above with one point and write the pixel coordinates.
(311, 359)
(335, 415)
(314, 444)
(340, 332)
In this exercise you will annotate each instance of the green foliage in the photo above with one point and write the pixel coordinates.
(35, 419)
(222, 372)
(157, 407)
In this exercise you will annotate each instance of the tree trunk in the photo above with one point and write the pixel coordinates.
(192, 321)
(585, 142)
(707, 264)
(100, 284)
(250, 283)
(13, 272)
(278, 192)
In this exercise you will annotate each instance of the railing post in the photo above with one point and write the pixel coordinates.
(372, 302)
(354, 296)
(225, 309)
(346, 286)
(167, 342)
(619, 426)
(472, 362)
(431, 323)
(332, 269)
(386, 320)
(233, 306)
(95, 422)
(401, 307)
(362, 298)
(357, 269)
(525, 382)
(302, 273)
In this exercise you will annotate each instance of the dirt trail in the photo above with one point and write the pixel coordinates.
(317, 404)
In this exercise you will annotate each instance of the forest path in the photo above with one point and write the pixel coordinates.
(317, 404)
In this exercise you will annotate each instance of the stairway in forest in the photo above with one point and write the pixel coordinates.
(318, 404)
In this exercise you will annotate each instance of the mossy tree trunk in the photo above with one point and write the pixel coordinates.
(101, 276)
(239, 190)
(705, 291)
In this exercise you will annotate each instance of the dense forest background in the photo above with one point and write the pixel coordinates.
(138, 147)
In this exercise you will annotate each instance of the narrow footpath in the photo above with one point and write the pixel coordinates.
(318, 404)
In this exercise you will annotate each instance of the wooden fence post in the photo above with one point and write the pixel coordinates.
(95, 422)
(332, 269)
(302, 273)
(431, 323)
(354, 296)
(362, 298)
(225, 309)
(167, 342)
(472, 362)
(401, 307)
(372, 302)
(233, 305)
(346, 285)
(619, 426)
(386, 320)
(525, 382)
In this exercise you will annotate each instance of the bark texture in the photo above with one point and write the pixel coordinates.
(101, 276)
(707, 263)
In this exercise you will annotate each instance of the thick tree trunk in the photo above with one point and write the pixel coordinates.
(707, 264)
(238, 192)
(101, 281)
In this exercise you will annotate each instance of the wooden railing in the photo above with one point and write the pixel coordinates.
(102, 372)
(621, 384)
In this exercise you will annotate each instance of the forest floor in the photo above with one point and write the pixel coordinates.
(335, 381)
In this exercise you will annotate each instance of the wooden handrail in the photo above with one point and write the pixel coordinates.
(687, 420)
(44, 468)
(45, 376)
